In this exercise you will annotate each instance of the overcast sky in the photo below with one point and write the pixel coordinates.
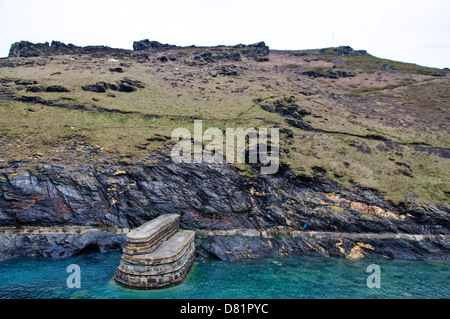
(410, 31)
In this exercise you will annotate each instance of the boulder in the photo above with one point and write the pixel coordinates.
(56, 88)
(162, 59)
(99, 87)
(24, 82)
(118, 70)
(151, 45)
(126, 88)
(227, 70)
(34, 89)
(125, 85)
(364, 148)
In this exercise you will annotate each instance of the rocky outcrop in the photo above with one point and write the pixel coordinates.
(258, 51)
(58, 245)
(255, 51)
(211, 55)
(328, 73)
(200, 55)
(288, 109)
(238, 246)
(56, 88)
(51, 88)
(439, 151)
(343, 51)
(27, 49)
(124, 85)
(151, 45)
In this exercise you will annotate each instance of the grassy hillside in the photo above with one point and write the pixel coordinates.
(361, 120)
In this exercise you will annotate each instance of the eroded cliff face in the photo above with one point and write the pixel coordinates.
(115, 193)
(208, 196)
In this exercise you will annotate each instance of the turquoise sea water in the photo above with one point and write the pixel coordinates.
(279, 278)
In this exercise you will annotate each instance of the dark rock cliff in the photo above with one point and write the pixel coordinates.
(208, 197)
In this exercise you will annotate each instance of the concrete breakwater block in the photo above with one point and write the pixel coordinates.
(150, 235)
(156, 254)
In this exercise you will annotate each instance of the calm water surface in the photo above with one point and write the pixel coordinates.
(284, 277)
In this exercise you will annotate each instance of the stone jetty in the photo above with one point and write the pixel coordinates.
(156, 254)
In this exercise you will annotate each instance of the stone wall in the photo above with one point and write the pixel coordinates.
(158, 275)
(156, 254)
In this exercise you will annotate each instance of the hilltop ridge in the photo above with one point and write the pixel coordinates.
(27, 49)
